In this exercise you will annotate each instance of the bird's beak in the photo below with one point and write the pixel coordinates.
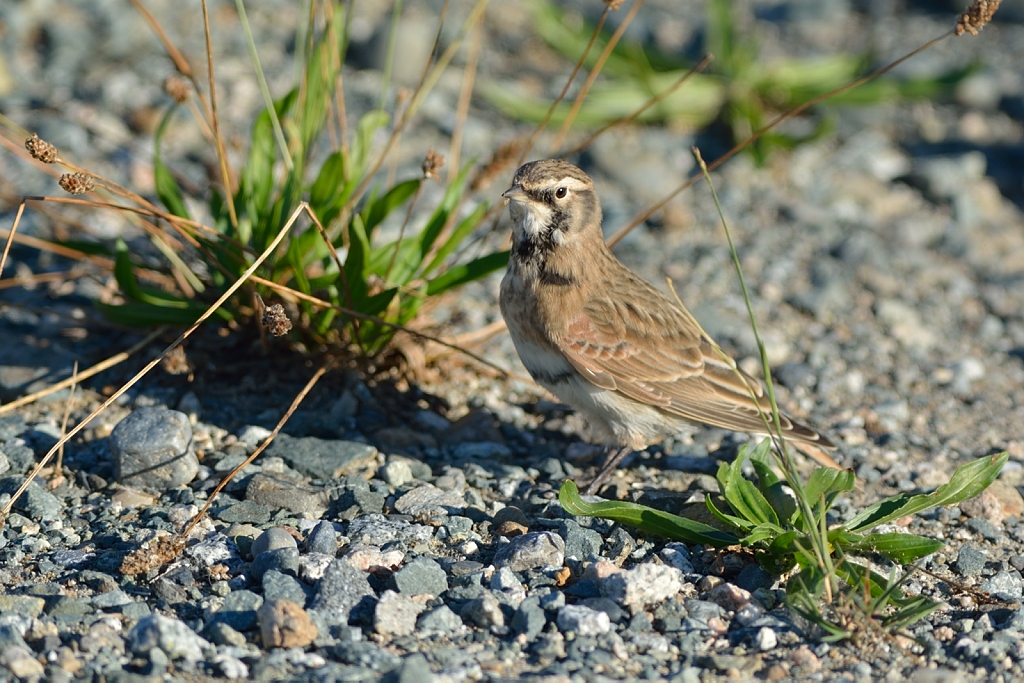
(516, 193)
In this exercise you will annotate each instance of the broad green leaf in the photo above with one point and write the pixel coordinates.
(968, 481)
(463, 230)
(392, 199)
(901, 548)
(467, 272)
(829, 482)
(403, 265)
(737, 523)
(166, 186)
(330, 189)
(368, 125)
(440, 216)
(744, 498)
(642, 517)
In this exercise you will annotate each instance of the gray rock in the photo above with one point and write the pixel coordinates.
(19, 457)
(36, 502)
(245, 512)
(430, 501)
(531, 551)
(323, 539)
(284, 560)
(273, 538)
(580, 543)
(440, 620)
(1005, 585)
(321, 458)
(396, 473)
(237, 611)
(413, 669)
(421, 576)
(376, 530)
(583, 621)
(280, 494)
(280, 586)
(969, 562)
(395, 615)
(645, 584)
(11, 426)
(484, 612)
(341, 593)
(72, 559)
(529, 619)
(117, 598)
(172, 636)
(151, 449)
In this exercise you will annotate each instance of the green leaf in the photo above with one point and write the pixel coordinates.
(968, 481)
(901, 548)
(440, 216)
(642, 517)
(166, 186)
(330, 189)
(463, 230)
(392, 199)
(738, 523)
(743, 497)
(361, 145)
(467, 272)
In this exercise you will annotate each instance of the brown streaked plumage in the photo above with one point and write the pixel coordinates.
(605, 341)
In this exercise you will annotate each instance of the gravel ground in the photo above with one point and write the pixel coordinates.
(412, 531)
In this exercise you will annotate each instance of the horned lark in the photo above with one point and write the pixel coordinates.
(600, 338)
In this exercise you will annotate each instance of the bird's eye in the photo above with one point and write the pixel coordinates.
(561, 192)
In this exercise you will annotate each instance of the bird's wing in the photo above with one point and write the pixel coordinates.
(654, 352)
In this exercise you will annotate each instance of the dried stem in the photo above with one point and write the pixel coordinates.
(465, 96)
(152, 364)
(67, 414)
(116, 359)
(592, 76)
(222, 156)
(647, 213)
(263, 446)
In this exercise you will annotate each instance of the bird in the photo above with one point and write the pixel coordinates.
(606, 342)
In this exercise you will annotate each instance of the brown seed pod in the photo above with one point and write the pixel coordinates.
(77, 183)
(40, 149)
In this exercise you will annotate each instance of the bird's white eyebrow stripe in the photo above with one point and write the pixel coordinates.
(571, 183)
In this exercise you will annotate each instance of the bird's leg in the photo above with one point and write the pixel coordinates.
(611, 461)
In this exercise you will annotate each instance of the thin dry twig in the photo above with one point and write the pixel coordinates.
(10, 236)
(222, 156)
(643, 215)
(592, 76)
(303, 206)
(644, 107)
(465, 96)
(263, 446)
(67, 414)
(565, 88)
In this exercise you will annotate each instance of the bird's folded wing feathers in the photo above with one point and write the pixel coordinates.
(668, 364)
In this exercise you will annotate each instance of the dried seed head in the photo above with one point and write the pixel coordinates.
(77, 183)
(276, 320)
(614, 5)
(40, 149)
(977, 15)
(178, 88)
(432, 164)
(502, 158)
(176, 362)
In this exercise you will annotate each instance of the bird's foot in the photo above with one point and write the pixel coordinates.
(611, 462)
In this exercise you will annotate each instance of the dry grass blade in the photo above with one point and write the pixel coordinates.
(222, 156)
(288, 292)
(177, 342)
(465, 96)
(94, 370)
(39, 278)
(646, 105)
(67, 414)
(10, 236)
(296, 402)
(565, 88)
(592, 76)
(650, 211)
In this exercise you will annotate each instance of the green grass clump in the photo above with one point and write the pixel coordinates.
(371, 285)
